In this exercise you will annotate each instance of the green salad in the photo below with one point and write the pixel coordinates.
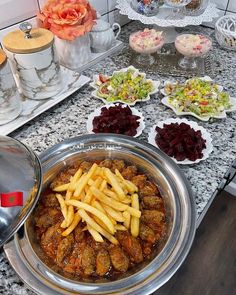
(127, 86)
(200, 97)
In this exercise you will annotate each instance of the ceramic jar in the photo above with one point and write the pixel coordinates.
(33, 61)
(10, 101)
(102, 36)
(73, 54)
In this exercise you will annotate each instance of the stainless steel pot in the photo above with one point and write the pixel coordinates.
(179, 205)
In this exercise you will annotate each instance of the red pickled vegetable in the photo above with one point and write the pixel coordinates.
(180, 141)
(116, 119)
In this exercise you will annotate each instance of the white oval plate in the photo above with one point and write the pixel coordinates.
(222, 115)
(94, 84)
(205, 135)
(97, 112)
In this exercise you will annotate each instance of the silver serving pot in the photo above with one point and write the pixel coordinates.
(179, 204)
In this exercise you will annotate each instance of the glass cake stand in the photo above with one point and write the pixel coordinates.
(161, 21)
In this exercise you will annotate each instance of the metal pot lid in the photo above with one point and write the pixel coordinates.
(20, 185)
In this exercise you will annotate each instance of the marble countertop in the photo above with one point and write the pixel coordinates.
(68, 119)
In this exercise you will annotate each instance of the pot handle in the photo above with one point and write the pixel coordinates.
(119, 29)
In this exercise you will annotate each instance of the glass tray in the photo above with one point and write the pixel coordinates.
(166, 63)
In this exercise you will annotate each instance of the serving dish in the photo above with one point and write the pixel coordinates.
(71, 81)
(225, 32)
(97, 112)
(96, 83)
(205, 135)
(221, 115)
(179, 204)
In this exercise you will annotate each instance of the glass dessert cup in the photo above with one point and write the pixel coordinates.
(145, 56)
(192, 47)
(177, 6)
(146, 45)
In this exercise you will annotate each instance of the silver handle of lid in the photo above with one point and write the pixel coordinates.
(26, 27)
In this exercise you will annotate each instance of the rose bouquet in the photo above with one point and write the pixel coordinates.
(68, 19)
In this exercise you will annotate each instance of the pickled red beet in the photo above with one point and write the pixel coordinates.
(180, 141)
(116, 119)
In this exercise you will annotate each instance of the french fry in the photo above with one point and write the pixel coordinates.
(127, 217)
(82, 195)
(73, 225)
(91, 182)
(64, 224)
(103, 199)
(70, 215)
(97, 205)
(103, 185)
(134, 212)
(108, 201)
(61, 188)
(114, 183)
(134, 225)
(74, 179)
(88, 197)
(95, 234)
(78, 185)
(68, 195)
(97, 227)
(120, 227)
(126, 200)
(111, 194)
(119, 175)
(131, 187)
(62, 205)
(114, 214)
(85, 180)
(102, 224)
(94, 211)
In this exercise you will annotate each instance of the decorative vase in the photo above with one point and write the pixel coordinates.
(73, 54)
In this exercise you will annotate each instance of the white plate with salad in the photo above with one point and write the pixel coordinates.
(198, 97)
(127, 86)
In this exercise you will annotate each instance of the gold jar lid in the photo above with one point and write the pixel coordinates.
(28, 40)
(3, 57)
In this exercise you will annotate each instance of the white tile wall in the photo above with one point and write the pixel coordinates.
(222, 4)
(3, 32)
(15, 11)
(232, 5)
(111, 5)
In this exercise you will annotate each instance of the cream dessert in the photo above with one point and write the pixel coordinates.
(147, 41)
(193, 45)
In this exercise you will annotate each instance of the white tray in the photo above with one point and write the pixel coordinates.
(208, 15)
(72, 81)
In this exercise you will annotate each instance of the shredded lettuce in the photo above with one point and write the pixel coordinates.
(126, 86)
(198, 96)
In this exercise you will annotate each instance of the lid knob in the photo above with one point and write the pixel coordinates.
(26, 27)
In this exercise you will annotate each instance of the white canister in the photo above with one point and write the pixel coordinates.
(33, 61)
(10, 101)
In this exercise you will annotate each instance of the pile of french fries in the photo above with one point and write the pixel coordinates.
(104, 200)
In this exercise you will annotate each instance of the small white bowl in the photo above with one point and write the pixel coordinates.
(225, 32)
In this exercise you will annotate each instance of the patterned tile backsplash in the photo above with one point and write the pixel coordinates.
(13, 12)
